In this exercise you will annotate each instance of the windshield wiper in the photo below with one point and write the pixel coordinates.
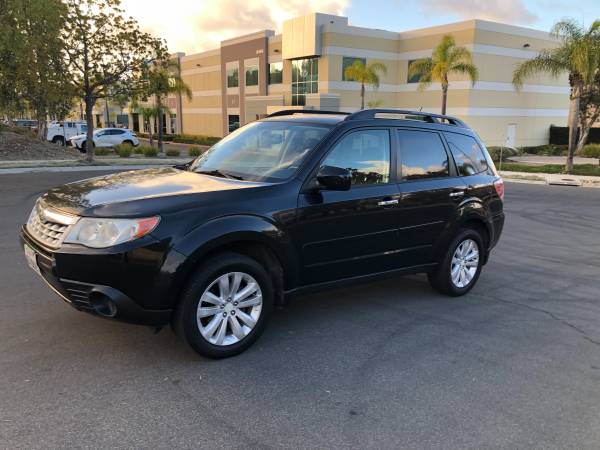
(219, 173)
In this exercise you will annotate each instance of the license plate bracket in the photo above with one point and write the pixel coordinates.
(31, 257)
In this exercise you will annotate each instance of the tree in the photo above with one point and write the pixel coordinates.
(365, 74)
(104, 49)
(578, 54)
(447, 59)
(162, 78)
(32, 73)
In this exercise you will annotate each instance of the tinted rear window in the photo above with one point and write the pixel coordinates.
(467, 153)
(422, 155)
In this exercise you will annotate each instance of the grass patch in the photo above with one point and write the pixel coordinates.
(172, 152)
(580, 169)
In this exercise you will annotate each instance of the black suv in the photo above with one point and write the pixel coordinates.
(296, 201)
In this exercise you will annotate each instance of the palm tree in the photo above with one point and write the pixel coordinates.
(365, 74)
(447, 59)
(148, 113)
(164, 78)
(578, 55)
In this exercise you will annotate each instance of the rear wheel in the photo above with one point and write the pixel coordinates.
(58, 140)
(82, 148)
(225, 306)
(461, 266)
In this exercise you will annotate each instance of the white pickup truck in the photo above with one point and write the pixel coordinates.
(61, 132)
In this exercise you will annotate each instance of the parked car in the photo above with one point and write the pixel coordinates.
(63, 132)
(298, 201)
(106, 137)
(26, 123)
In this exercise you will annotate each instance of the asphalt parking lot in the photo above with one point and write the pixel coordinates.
(390, 364)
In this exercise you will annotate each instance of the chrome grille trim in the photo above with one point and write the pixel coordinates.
(49, 226)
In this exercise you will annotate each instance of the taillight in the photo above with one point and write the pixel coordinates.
(499, 185)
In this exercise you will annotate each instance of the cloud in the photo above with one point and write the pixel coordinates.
(195, 25)
(508, 11)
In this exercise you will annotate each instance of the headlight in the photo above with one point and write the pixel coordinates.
(100, 233)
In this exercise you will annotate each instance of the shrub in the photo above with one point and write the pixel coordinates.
(138, 150)
(102, 151)
(150, 152)
(124, 151)
(592, 151)
(545, 150)
(507, 152)
(195, 150)
(193, 139)
(173, 152)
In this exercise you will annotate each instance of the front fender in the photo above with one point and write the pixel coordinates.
(227, 230)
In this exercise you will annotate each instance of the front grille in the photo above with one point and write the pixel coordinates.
(47, 226)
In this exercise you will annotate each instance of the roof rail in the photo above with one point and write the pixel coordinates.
(289, 112)
(426, 117)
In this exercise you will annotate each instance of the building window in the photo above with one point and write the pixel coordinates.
(414, 78)
(347, 61)
(252, 75)
(276, 73)
(232, 77)
(233, 122)
(305, 77)
(173, 123)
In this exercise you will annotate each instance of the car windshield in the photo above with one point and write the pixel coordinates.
(261, 151)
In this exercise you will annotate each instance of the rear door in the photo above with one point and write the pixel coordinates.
(351, 233)
(431, 192)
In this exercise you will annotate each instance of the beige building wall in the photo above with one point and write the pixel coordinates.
(491, 106)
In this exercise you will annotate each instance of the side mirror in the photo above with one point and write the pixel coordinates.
(332, 178)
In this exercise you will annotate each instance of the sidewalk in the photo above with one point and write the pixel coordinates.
(534, 159)
(551, 179)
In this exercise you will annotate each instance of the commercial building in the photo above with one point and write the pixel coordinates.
(253, 75)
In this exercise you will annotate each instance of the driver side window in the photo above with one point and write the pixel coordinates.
(366, 154)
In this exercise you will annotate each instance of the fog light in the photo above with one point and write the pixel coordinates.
(103, 305)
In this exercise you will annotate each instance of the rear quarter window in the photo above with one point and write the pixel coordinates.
(467, 153)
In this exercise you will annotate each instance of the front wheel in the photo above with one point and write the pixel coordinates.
(225, 306)
(459, 270)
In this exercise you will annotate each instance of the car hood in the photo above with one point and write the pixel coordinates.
(149, 186)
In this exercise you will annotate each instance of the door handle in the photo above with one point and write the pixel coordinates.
(457, 194)
(387, 202)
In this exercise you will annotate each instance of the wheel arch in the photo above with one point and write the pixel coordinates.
(472, 214)
(252, 236)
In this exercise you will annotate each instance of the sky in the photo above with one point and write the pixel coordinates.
(196, 25)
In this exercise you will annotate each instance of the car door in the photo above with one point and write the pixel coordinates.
(341, 234)
(430, 192)
(102, 139)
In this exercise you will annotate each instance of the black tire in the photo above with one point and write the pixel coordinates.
(441, 278)
(128, 142)
(58, 140)
(184, 321)
(82, 148)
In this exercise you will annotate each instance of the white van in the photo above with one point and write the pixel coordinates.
(61, 132)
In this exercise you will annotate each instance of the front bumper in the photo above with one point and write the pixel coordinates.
(94, 298)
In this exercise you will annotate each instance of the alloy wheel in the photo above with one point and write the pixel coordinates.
(229, 308)
(465, 263)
